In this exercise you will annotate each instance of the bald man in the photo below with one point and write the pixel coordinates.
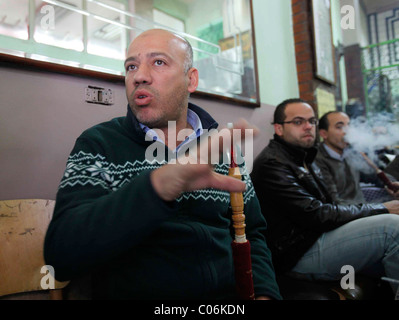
(146, 228)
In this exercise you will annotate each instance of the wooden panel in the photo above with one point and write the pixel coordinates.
(23, 225)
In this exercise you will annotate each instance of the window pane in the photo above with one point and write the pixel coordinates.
(168, 20)
(222, 43)
(59, 25)
(106, 38)
(14, 18)
(94, 34)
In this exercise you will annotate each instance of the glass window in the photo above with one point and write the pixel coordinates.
(167, 20)
(106, 36)
(94, 34)
(14, 17)
(60, 25)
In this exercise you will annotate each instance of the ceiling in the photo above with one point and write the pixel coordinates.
(380, 5)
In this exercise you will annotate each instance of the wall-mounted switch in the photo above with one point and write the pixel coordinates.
(99, 95)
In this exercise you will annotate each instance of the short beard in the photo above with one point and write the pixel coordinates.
(308, 145)
(162, 120)
(305, 145)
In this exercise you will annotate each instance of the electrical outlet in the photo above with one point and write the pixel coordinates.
(99, 95)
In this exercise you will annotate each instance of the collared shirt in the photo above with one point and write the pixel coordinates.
(335, 155)
(192, 119)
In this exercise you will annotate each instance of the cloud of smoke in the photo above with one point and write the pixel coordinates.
(373, 135)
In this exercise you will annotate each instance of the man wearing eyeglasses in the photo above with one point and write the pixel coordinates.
(308, 233)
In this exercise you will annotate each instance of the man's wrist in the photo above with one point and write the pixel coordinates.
(160, 184)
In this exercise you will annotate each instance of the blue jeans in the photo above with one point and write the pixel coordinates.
(370, 245)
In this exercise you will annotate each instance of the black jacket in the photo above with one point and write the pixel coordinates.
(295, 201)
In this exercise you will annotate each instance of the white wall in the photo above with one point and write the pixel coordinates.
(275, 50)
(338, 38)
(41, 114)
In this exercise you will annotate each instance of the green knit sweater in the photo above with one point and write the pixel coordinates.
(109, 222)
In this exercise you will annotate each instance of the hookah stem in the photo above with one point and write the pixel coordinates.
(380, 174)
(386, 181)
(237, 201)
(240, 245)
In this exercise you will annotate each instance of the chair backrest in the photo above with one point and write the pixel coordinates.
(23, 225)
(376, 195)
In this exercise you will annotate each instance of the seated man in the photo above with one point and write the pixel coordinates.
(308, 233)
(343, 167)
(146, 229)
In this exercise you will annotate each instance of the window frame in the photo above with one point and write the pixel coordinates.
(16, 61)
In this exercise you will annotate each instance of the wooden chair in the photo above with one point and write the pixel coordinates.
(23, 225)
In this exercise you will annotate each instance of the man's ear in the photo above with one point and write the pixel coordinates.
(193, 79)
(323, 133)
(278, 129)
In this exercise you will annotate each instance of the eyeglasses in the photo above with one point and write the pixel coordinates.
(301, 121)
